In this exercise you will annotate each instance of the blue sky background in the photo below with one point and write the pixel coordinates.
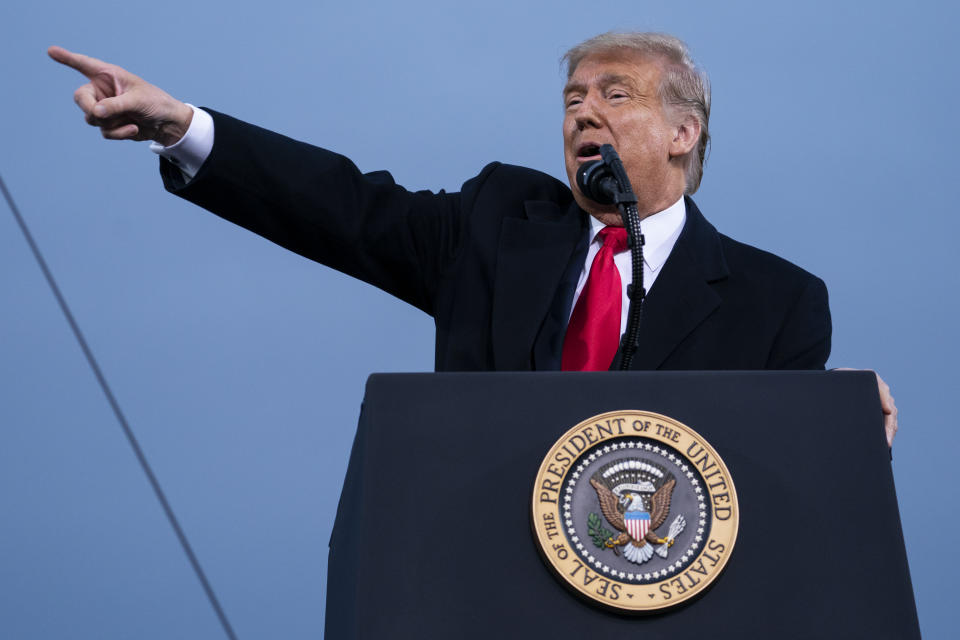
(241, 366)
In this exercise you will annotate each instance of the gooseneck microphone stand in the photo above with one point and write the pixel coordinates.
(605, 181)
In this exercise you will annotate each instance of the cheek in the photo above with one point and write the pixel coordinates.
(648, 147)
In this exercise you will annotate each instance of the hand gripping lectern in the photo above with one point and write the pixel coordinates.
(435, 536)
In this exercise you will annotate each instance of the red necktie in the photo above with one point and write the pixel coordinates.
(593, 334)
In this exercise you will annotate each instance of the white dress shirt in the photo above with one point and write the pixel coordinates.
(660, 231)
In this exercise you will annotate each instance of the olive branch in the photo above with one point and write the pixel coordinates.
(596, 530)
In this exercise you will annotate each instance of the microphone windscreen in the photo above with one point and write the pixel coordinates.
(596, 181)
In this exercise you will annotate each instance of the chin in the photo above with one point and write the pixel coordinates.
(597, 210)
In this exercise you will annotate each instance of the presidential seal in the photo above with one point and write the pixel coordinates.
(634, 511)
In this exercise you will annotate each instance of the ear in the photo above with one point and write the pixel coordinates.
(685, 138)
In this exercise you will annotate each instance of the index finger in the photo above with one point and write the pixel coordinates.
(84, 64)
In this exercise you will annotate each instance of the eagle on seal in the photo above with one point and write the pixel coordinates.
(634, 539)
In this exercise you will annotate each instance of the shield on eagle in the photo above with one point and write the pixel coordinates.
(638, 523)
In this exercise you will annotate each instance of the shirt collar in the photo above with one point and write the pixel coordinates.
(660, 232)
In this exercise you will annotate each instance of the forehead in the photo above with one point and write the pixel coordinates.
(606, 68)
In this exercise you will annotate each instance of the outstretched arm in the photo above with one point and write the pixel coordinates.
(122, 105)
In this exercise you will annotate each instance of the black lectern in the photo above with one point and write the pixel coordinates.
(433, 534)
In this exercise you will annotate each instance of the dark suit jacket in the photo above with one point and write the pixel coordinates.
(496, 264)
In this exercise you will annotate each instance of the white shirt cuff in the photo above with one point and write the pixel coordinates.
(191, 151)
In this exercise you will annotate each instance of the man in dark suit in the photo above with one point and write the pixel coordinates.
(503, 264)
(496, 263)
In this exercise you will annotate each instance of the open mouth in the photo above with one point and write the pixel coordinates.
(588, 151)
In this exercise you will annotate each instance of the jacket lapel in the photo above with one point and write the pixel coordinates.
(534, 254)
(682, 296)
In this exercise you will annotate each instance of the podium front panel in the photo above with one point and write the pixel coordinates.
(433, 534)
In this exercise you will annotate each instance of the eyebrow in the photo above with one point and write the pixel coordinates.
(605, 80)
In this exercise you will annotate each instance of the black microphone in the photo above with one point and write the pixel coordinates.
(597, 182)
(605, 181)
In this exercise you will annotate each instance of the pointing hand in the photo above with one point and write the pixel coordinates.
(122, 105)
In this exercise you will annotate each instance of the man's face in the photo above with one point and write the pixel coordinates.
(613, 99)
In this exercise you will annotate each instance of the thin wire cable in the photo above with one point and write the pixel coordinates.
(131, 438)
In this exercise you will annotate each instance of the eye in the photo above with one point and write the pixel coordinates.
(573, 101)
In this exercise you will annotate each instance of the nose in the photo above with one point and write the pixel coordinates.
(588, 114)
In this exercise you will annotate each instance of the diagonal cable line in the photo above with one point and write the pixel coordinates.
(131, 438)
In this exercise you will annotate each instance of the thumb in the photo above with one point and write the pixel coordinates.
(114, 107)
